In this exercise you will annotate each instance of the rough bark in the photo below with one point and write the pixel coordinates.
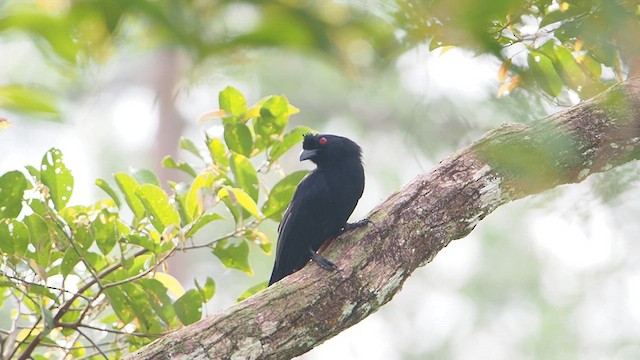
(411, 227)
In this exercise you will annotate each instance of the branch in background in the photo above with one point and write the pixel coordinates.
(411, 227)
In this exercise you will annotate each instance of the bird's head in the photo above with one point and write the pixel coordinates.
(325, 149)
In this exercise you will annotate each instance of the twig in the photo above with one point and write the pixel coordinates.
(95, 346)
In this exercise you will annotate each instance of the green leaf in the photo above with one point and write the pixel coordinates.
(290, 140)
(260, 239)
(156, 203)
(39, 207)
(272, 120)
(545, 74)
(234, 254)
(232, 101)
(104, 185)
(171, 283)
(6, 245)
(119, 304)
(189, 307)
(194, 201)
(14, 237)
(180, 191)
(29, 99)
(39, 238)
(202, 221)
(69, 261)
(33, 171)
(218, 152)
(55, 30)
(57, 178)
(187, 144)
(145, 176)
(44, 291)
(95, 260)
(239, 197)
(568, 68)
(238, 138)
(252, 291)
(160, 301)
(245, 175)
(104, 230)
(208, 291)
(128, 185)
(590, 66)
(143, 241)
(559, 15)
(281, 194)
(171, 163)
(12, 187)
(140, 264)
(139, 301)
(82, 236)
(70, 317)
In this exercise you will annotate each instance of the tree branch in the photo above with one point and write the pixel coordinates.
(412, 226)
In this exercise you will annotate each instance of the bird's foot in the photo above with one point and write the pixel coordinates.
(357, 224)
(323, 262)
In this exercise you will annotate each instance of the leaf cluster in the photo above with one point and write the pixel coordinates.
(92, 279)
(75, 34)
(554, 46)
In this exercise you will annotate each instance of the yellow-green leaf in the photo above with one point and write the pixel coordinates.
(252, 291)
(232, 101)
(568, 68)
(12, 187)
(238, 196)
(545, 74)
(238, 138)
(289, 140)
(590, 66)
(156, 202)
(201, 222)
(218, 152)
(33, 100)
(245, 175)
(171, 163)
(281, 195)
(128, 185)
(234, 254)
(194, 202)
(189, 307)
(104, 230)
(187, 144)
(104, 185)
(56, 176)
(171, 283)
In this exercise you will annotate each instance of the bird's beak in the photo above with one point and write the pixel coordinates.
(307, 154)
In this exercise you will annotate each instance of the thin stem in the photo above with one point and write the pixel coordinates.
(140, 275)
(234, 233)
(65, 307)
(90, 356)
(112, 331)
(95, 346)
(27, 282)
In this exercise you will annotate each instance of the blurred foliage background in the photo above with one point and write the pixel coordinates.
(115, 84)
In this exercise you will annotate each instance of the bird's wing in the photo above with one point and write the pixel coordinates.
(300, 225)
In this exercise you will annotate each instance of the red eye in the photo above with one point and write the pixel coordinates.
(323, 140)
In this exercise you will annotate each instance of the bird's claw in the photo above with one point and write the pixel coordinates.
(323, 262)
(357, 224)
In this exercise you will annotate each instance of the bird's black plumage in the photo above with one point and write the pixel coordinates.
(321, 204)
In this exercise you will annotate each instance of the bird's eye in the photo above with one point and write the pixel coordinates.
(323, 140)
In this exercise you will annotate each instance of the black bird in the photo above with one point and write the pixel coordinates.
(321, 204)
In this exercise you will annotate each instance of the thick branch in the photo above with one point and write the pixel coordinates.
(412, 226)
